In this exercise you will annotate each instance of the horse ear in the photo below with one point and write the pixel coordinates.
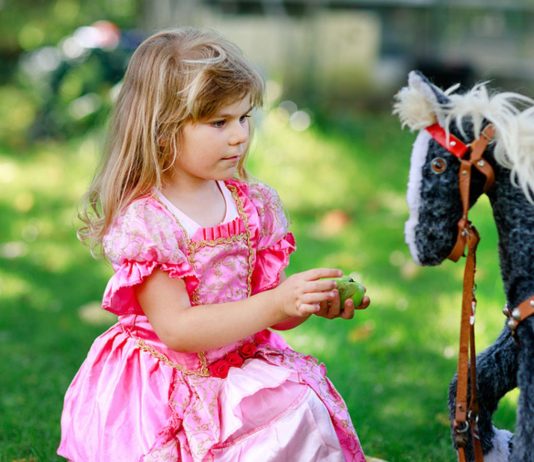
(420, 104)
(436, 95)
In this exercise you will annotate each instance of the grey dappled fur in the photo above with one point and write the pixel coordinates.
(505, 364)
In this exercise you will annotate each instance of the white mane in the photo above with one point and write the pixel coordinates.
(511, 114)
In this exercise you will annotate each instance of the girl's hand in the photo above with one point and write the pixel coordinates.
(331, 308)
(302, 294)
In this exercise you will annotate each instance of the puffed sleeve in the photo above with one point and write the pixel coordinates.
(275, 242)
(141, 240)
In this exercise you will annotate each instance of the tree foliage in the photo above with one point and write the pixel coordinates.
(60, 61)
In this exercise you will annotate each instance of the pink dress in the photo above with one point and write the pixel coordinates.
(134, 399)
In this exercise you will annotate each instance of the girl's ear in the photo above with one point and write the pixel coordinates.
(421, 103)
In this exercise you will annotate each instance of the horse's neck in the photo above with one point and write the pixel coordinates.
(514, 217)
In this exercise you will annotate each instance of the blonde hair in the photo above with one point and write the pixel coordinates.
(174, 77)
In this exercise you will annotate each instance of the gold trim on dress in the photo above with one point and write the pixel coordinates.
(244, 217)
(202, 372)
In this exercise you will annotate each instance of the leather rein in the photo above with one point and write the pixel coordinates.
(466, 413)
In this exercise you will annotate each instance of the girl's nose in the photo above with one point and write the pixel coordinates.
(239, 134)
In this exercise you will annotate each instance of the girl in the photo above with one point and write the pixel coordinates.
(191, 372)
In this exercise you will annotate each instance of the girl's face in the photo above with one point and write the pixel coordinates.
(211, 149)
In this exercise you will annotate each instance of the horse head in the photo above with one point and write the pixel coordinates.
(448, 124)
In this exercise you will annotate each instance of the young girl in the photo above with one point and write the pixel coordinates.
(191, 371)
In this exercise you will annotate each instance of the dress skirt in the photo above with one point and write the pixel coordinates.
(129, 402)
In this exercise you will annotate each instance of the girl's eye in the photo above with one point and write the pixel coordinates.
(218, 123)
(244, 118)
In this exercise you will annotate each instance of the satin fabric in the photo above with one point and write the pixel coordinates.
(134, 399)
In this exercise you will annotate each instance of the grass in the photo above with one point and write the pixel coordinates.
(343, 184)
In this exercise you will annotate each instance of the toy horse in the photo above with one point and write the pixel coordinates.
(470, 144)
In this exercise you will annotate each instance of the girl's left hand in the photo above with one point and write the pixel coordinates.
(331, 309)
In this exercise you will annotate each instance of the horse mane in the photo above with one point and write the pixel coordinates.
(512, 115)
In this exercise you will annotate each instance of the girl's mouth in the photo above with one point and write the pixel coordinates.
(236, 157)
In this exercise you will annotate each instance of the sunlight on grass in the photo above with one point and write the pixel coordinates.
(511, 398)
(93, 314)
(505, 415)
(347, 257)
(55, 257)
(388, 295)
(312, 342)
(8, 172)
(448, 311)
(12, 286)
(361, 332)
(49, 175)
(290, 156)
(394, 203)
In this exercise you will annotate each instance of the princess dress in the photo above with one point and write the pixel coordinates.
(134, 399)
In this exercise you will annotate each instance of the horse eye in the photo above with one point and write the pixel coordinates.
(438, 165)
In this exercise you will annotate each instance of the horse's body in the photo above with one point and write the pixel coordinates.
(431, 233)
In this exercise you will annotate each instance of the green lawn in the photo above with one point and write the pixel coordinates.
(343, 185)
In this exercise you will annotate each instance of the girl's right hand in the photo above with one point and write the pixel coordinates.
(302, 293)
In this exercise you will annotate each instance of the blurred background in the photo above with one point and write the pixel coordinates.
(325, 140)
(60, 60)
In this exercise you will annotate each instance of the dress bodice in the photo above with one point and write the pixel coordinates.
(223, 254)
(227, 262)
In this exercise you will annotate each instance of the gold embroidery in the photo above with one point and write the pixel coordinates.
(202, 372)
(195, 245)
(244, 217)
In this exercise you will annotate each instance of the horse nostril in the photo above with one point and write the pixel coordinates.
(438, 165)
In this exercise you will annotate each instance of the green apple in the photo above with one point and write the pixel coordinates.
(349, 287)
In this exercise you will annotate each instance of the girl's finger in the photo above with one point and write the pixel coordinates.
(366, 301)
(308, 308)
(348, 310)
(333, 306)
(321, 285)
(323, 311)
(317, 297)
(318, 273)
